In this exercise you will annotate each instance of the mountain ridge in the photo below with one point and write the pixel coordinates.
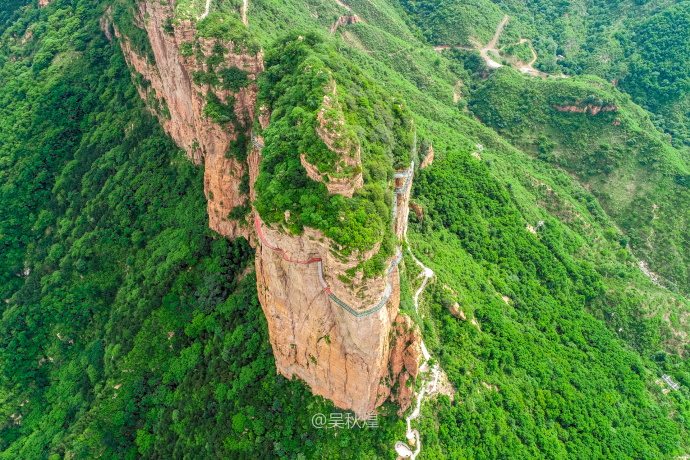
(131, 328)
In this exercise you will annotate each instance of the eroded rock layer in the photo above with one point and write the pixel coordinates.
(180, 103)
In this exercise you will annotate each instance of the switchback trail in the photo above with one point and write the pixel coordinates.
(499, 29)
(491, 46)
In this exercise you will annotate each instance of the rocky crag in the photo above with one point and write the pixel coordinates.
(593, 109)
(180, 103)
(347, 341)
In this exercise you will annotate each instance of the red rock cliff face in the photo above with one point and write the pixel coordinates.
(353, 361)
(341, 357)
(350, 359)
(180, 107)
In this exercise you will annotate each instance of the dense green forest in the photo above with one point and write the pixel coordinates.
(639, 45)
(131, 330)
(8, 8)
(566, 387)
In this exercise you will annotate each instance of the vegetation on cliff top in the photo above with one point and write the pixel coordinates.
(299, 72)
(229, 27)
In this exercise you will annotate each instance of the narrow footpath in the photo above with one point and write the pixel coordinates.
(205, 13)
(429, 385)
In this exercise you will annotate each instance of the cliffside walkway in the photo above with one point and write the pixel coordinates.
(288, 257)
(256, 143)
(402, 190)
(428, 386)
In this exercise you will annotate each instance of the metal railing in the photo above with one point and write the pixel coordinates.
(256, 142)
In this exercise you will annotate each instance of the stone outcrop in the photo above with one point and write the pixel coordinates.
(352, 360)
(593, 109)
(345, 21)
(105, 23)
(456, 311)
(179, 104)
(428, 159)
(402, 205)
(405, 357)
(342, 186)
(330, 129)
(418, 211)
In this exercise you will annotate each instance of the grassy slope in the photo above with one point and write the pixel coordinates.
(619, 156)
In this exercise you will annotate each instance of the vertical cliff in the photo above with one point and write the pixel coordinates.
(342, 334)
(331, 337)
(191, 85)
(333, 322)
(339, 355)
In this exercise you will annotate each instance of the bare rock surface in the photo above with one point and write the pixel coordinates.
(593, 109)
(341, 357)
(181, 107)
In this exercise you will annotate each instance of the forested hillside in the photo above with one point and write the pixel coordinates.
(638, 45)
(594, 131)
(8, 8)
(128, 329)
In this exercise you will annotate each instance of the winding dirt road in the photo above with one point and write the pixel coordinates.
(491, 46)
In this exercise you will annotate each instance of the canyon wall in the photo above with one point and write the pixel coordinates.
(179, 103)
